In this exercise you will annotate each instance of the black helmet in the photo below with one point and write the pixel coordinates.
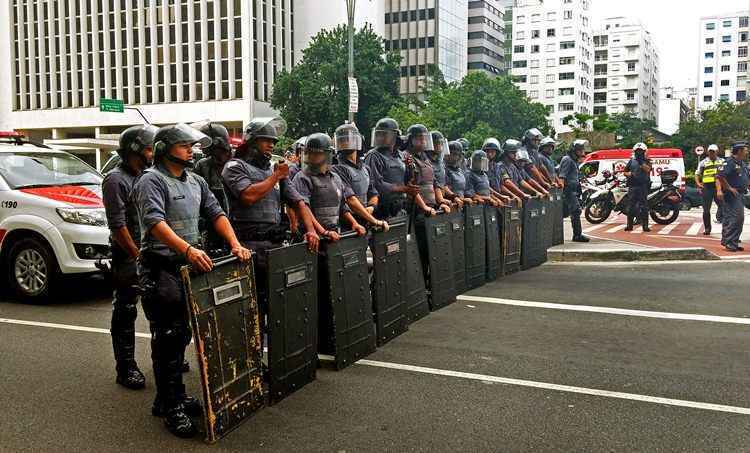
(299, 146)
(418, 133)
(218, 134)
(532, 134)
(386, 133)
(136, 139)
(168, 136)
(347, 139)
(547, 141)
(268, 127)
(465, 143)
(479, 161)
(317, 143)
(439, 144)
(491, 143)
(510, 146)
(455, 154)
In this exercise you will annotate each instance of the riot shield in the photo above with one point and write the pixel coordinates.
(458, 228)
(475, 245)
(224, 315)
(531, 234)
(417, 306)
(512, 228)
(492, 254)
(557, 218)
(545, 230)
(389, 283)
(436, 235)
(292, 326)
(345, 323)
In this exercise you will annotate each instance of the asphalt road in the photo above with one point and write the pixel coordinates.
(474, 376)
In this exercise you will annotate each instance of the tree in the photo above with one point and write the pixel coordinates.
(314, 95)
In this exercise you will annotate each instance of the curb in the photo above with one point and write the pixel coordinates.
(608, 255)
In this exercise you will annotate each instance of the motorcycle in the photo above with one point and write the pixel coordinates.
(611, 196)
(665, 202)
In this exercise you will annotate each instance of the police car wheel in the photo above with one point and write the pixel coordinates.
(32, 268)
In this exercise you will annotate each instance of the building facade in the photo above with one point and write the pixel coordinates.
(626, 69)
(723, 59)
(553, 56)
(486, 45)
(179, 61)
(427, 33)
(673, 110)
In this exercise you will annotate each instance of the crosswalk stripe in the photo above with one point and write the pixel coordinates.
(668, 229)
(616, 229)
(594, 228)
(694, 229)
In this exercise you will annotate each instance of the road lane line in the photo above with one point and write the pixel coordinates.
(464, 375)
(616, 229)
(668, 229)
(558, 387)
(607, 310)
(594, 228)
(694, 229)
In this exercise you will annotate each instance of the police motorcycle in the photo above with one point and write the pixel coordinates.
(611, 196)
(664, 203)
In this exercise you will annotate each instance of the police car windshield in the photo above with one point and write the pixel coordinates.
(42, 169)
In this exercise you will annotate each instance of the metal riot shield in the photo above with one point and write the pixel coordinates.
(545, 230)
(292, 325)
(512, 231)
(389, 282)
(475, 238)
(458, 228)
(345, 323)
(436, 233)
(531, 232)
(557, 218)
(224, 315)
(417, 306)
(492, 254)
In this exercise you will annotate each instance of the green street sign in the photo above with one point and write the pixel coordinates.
(111, 105)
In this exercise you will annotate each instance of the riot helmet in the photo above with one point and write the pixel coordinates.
(440, 145)
(269, 128)
(455, 156)
(386, 134)
(578, 148)
(547, 145)
(522, 157)
(492, 145)
(419, 139)
(465, 144)
(137, 140)
(479, 161)
(510, 149)
(347, 139)
(317, 156)
(532, 137)
(178, 134)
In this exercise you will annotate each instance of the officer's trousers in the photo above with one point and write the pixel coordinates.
(733, 221)
(124, 310)
(573, 209)
(709, 197)
(638, 206)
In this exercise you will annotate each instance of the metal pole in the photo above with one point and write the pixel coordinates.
(350, 5)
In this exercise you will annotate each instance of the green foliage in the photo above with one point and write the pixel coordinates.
(314, 96)
(477, 107)
(628, 128)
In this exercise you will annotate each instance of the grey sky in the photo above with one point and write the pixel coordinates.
(674, 26)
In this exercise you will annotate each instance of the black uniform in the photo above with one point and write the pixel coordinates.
(387, 170)
(326, 195)
(208, 170)
(572, 206)
(639, 185)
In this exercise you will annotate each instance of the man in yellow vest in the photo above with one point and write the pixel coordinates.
(705, 179)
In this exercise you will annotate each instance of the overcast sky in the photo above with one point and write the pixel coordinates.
(674, 26)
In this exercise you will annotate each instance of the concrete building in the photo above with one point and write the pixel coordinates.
(176, 61)
(673, 110)
(486, 46)
(428, 32)
(312, 16)
(553, 56)
(723, 59)
(626, 69)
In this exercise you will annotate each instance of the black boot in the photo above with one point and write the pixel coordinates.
(128, 373)
(179, 423)
(190, 405)
(644, 222)
(629, 227)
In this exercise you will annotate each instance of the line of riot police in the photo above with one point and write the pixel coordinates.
(347, 247)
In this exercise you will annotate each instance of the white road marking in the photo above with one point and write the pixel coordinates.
(616, 229)
(668, 229)
(558, 387)
(594, 227)
(607, 310)
(694, 229)
(464, 375)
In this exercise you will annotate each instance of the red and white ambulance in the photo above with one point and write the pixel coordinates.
(615, 160)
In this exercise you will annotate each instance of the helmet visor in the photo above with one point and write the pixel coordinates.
(384, 138)
(182, 133)
(441, 147)
(480, 163)
(422, 142)
(347, 140)
(268, 127)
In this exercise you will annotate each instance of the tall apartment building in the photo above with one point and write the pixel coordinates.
(723, 59)
(626, 69)
(673, 110)
(176, 61)
(553, 56)
(427, 32)
(486, 46)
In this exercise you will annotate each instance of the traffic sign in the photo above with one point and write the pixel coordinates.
(353, 95)
(111, 105)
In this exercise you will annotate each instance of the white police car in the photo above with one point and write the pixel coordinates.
(52, 220)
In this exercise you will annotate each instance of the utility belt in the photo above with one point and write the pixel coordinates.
(275, 233)
(155, 261)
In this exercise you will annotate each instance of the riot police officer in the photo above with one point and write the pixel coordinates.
(532, 138)
(513, 181)
(638, 172)
(170, 201)
(437, 160)
(571, 187)
(546, 148)
(122, 217)
(477, 180)
(296, 165)
(209, 168)
(455, 176)
(466, 163)
(388, 169)
(733, 182)
(492, 148)
(527, 168)
(419, 144)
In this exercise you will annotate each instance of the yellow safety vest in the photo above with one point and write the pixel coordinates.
(710, 168)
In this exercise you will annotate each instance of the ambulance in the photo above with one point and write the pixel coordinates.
(615, 160)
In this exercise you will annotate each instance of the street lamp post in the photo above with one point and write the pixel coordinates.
(350, 5)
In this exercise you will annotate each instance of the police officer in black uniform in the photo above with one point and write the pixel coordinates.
(454, 173)
(122, 217)
(209, 168)
(532, 138)
(638, 172)
(512, 178)
(419, 146)
(170, 202)
(571, 187)
(477, 180)
(733, 182)
(546, 148)
(388, 170)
